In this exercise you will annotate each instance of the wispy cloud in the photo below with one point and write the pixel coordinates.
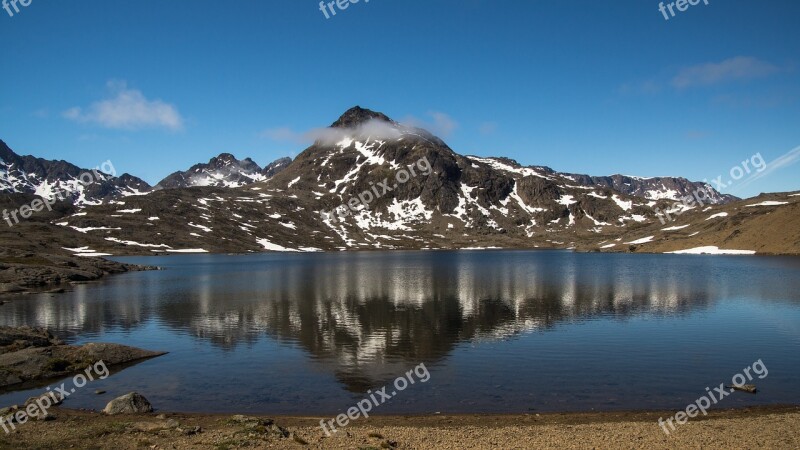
(779, 163)
(374, 129)
(739, 68)
(127, 109)
(440, 124)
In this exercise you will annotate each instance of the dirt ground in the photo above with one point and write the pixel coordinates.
(775, 427)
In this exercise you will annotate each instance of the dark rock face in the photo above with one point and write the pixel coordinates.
(356, 116)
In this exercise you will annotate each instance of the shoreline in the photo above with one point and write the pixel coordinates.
(18, 287)
(775, 426)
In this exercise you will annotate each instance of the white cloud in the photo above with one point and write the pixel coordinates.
(442, 125)
(128, 109)
(738, 68)
(374, 129)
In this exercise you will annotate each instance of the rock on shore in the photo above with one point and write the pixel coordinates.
(28, 354)
(132, 403)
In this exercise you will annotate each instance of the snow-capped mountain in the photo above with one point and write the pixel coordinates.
(444, 200)
(223, 171)
(346, 192)
(27, 174)
(654, 188)
(45, 178)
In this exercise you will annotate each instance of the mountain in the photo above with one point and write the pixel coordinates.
(369, 182)
(275, 167)
(30, 175)
(767, 224)
(223, 171)
(655, 188)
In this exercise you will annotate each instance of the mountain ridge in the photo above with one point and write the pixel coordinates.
(223, 170)
(456, 202)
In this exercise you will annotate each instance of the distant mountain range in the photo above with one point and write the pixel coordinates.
(28, 174)
(224, 171)
(451, 201)
(40, 176)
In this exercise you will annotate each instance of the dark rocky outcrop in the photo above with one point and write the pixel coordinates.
(30, 354)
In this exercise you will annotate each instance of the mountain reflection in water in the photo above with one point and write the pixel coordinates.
(366, 317)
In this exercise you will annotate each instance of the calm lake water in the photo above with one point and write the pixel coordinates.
(499, 331)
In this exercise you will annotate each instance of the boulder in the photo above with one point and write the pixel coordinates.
(132, 403)
(749, 388)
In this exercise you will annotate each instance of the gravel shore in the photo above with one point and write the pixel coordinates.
(763, 427)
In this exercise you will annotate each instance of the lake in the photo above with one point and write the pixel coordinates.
(499, 331)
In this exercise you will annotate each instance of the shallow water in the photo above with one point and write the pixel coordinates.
(498, 331)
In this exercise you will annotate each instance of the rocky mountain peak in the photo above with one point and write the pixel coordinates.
(223, 170)
(5, 152)
(357, 115)
(29, 175)
(276, 167)
(224, 160)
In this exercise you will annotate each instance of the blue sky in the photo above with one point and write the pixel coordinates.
(596, 87)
